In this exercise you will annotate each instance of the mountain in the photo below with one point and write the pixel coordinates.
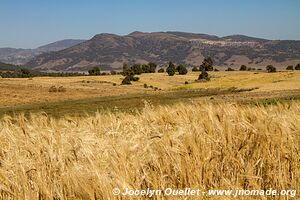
(21, 56)
(59, 45)
(110, 51)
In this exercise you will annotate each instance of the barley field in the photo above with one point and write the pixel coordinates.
(195, 145)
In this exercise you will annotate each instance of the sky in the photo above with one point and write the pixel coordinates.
(32, 23)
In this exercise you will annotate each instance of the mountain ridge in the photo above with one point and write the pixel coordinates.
(20, 56)
(110, 51)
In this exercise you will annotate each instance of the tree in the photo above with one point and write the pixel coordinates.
(182, 69)
(207, 64)
(171, 69)
(137, 69)
(161, 70)
(290, 67)
(126, 81)
(146, 68)
(203, 75)
(195, 69)
(243, 68)
(25, 73)
(112, 72)
(125, 67)
(297, 67)
(95, 71)
(127, 71)
(229, 69)
(152, 67)
(271, 68)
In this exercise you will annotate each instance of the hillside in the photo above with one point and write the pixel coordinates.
(111, 51)
(21, 56)
(5, 66)
(59, 45)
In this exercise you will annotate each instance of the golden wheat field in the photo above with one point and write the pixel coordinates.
(198, 135)
(204, 146)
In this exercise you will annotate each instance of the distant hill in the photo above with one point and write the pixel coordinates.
(5, 66)
(21, 56)
(59, 45)
(110, 51)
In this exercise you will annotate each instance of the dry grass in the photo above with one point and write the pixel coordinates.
(285, 80)
(25, 91)
(207, 146)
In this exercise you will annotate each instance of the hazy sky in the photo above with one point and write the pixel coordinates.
(31, 23)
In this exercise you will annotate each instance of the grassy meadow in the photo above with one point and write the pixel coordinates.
(241, 130)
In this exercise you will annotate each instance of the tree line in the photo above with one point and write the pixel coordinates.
(28, 73)
(130, 72)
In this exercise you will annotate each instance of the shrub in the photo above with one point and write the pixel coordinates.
(290, 67)
(186, 82)
(182, 70)
(134, 78)
(145, 85)
(61, 89)
(229, 69)
(243, 68)
(271, 68)
(297, 67)
(216, 70)
(161, 70)
(52, 89)
(114, 84)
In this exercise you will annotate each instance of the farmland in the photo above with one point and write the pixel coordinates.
(89, 93)
(240, 130)
(199, 145)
